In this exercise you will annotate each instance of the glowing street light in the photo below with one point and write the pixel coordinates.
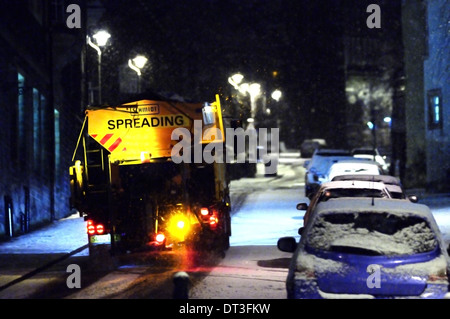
(254, 90)
(276, 95)
(235, 80)
(101, 37)
(140, 61)
(137, 64)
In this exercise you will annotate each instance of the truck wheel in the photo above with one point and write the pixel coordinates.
(226, 242)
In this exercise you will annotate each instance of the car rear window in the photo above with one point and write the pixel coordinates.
(352, 192)
(370, 233)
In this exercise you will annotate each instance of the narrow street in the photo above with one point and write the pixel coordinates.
(253, 267)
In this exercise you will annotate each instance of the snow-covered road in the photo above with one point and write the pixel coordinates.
(253, 267)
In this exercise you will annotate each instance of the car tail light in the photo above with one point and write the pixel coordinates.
(100, 229)
(160, 238)
(204, 211)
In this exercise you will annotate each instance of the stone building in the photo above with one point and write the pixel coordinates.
(39, 102)
(427, 90)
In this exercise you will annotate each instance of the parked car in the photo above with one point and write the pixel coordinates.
(359, 248)
(308, 146)
(373, 154)
(392, 183)
(339, 189)
(318, 166)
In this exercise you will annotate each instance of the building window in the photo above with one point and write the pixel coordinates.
(36, 128)
(57, 143)
(19, 141)
(435, 109)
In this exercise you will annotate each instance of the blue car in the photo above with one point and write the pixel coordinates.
(368, 248)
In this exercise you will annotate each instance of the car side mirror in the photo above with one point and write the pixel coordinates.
(300, 230)
(302, 206)
(287, 244)
(305, 164)
(413, 198)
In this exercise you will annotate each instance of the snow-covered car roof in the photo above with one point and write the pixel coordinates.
(387, 179)
(361, 166)
(356, 161)
(322, 163)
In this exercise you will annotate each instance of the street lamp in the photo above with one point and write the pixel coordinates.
(254, 90)
(276, 95)
(235, 80)
(137, 64)
(101, 37)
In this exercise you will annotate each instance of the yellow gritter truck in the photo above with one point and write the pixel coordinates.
(131, 186)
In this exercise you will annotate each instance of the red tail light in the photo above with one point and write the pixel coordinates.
(204, 211)
(100, 229)
(213, 220)
(90, 227)
(93, 229)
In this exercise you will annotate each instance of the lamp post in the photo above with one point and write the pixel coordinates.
(101, 37)
(137, 64)
(254, 90)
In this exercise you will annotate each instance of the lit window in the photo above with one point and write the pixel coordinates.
(434, 109)
(21, 105)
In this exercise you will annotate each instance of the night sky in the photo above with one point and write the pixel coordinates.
(295, 46)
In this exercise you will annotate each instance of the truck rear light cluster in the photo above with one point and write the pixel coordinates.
(93, 229)
(213, 220)
(209, 216)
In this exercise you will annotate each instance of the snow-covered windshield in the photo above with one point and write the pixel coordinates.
(371, 233)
